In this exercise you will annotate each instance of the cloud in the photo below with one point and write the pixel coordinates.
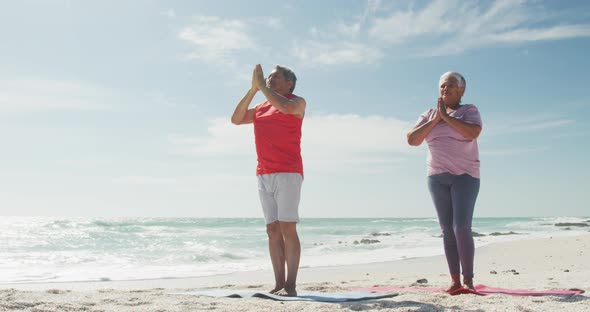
(270, 22)
(439, 27)
(534, 123)
(222, 138)
(353, 143)
(314, 53)
(448, 27)
(511, 152)
(144, 180)
(39, 94)
(403, 25)
(551, 33)
(329, 143)
(170, 13)
(215, 39)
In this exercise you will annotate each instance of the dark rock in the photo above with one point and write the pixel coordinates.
(380, 234)
(566, 270)
(572, 224)
(56, 291)
(507, 233)
(475, 234)
(493, 272)
(422, 281)
(369, 241)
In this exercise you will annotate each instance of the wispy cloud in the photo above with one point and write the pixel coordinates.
(538, 123)
(439, 27)
(515, 151)
(313, 53)
(448, 27)
(40, 94)
(170, 13)
(550, 33)
(331, 142)
(215, 39)
(222, 138)
(401, 25)
(145, 180)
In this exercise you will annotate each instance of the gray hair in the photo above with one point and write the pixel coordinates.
(460, 80)
(288, 74)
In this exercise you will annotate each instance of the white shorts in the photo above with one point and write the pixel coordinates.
(279, 195)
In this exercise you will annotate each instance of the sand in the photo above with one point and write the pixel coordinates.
(542, 264)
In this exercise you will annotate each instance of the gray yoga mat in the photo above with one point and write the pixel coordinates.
(301, 296)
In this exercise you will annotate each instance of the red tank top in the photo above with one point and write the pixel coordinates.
(278, 140)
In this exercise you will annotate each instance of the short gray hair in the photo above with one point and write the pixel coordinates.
(460, 80)
(288, 74)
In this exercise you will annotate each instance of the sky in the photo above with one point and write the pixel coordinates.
(122, 108)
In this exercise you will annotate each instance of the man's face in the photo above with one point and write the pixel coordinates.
(276, 82)
(450, 91)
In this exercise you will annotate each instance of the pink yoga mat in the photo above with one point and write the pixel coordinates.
(480, 290)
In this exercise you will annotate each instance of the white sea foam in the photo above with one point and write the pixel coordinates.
(81, 249)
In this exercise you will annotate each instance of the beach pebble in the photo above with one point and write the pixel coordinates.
(493, 272)
(56, 291)
(566, 270)
(367, 241)
(422, 281)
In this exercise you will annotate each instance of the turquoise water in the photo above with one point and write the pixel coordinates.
(39, 249)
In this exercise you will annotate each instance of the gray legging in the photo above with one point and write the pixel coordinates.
(454, 198)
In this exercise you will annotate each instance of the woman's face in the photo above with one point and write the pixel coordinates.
(450, 92)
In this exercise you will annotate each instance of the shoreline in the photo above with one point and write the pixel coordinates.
(427, 265)
(264, 275)
(539, 264)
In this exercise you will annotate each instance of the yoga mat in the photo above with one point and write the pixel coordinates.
(481, 290)
(301, 296)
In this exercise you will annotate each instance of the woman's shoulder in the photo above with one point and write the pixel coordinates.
(469, 107)
(428, 112)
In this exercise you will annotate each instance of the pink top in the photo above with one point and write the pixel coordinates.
(278, 140)
(448, 150)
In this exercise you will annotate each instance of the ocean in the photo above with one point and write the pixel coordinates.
(53, 249)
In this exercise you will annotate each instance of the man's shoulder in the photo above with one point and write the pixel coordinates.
(296, 98)
(291, 96)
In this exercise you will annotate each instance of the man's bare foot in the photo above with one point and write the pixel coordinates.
(453, 288)
(274, 290)
(287, 292)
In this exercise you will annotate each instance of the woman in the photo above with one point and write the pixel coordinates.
(451, 131)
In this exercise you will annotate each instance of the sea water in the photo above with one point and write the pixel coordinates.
(45, 249)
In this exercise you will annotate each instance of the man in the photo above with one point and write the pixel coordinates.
(277, 131)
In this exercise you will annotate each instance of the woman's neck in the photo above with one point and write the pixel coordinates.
(454, 106)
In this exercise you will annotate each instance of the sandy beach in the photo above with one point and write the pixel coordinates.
(552, 263)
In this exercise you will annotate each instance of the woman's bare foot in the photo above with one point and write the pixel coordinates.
(453, 288)
(287, 292)
(468, 283)
(455, 283)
